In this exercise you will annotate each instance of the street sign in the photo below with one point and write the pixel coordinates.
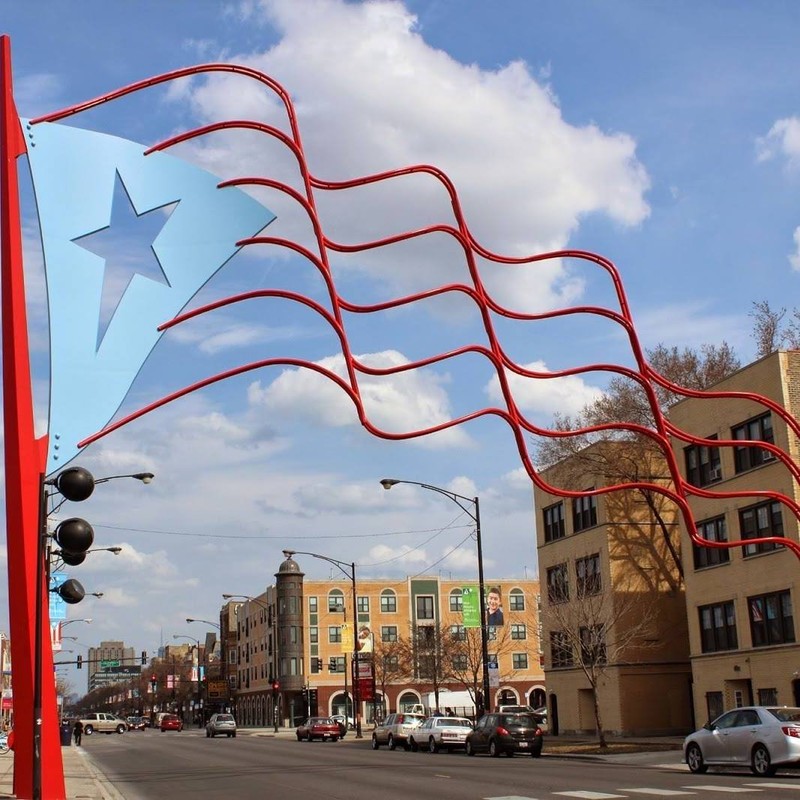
(107, 664)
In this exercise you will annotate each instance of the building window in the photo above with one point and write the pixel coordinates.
(388, 633)
(703, 465)
(313, 635)
(336, 601)
(554, 522)
(458, 633)
(312, 605)
(718, 627)
(426, 636)
(593, 644)
(426, 666)
(584, 512)
(491, 633)
(389, 602)
(519, 661)
(391, 663)
(560, 649)
(232, 654)
(759, 521)
(519, 631)
(335, 634)
(768, 697)
(557, 584)
(714, 704)
(516, 600)
(460, 662)
(758, 429)
(587, 575)
(771, 619)
(456, 600)
(425, 606)
(714, 530)
(363, 605)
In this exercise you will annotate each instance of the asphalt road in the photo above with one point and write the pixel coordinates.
(150, 765)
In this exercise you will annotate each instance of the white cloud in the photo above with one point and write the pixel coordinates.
(397, 403)
(372, 95)
(566, 395)
(783, 139)
(794, 258)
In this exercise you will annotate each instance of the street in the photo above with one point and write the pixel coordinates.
(150, 765)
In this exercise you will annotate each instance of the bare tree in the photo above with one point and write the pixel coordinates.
(595, 630)
(389, 663)
(769, 330)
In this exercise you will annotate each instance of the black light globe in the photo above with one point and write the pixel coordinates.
(71, 591)
(74, 535)
(75, 483)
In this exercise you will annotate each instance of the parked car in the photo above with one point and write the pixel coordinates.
(171, 722)
(510, 709)
(506, 733)
(100, 722)
(318, 728)
(763, 737)
(136, 723)
(436, 733)
(395, 729)
(221, 724)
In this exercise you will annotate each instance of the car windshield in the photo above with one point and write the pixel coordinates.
(786, 714)
(320, 721)
(224, 718)
(453, 723)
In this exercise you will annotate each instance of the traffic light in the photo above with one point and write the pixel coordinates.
(144, 657)
(275, 687)
(319, 665)
(153, 681)
(80, 662)
(332, 665)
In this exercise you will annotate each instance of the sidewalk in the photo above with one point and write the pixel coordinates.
(82, 780)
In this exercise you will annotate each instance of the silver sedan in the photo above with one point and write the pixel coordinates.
(761, 737)
(440, 733)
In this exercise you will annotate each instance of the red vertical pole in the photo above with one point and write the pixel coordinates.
(25, 457)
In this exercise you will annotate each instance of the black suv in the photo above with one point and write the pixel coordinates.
(506, 733)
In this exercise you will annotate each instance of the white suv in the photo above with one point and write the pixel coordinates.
(394, 730)
(98, 722)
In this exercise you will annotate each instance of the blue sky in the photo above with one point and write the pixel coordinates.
(662, 135)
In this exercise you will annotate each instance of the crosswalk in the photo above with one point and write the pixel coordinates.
(692, 790)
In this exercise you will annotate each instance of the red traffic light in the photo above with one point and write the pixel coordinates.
(276, 685)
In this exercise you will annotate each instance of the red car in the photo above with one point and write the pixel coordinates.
(171, 722)
(318, 728)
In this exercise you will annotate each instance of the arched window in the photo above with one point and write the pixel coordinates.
(388, 601)
(456, 600)
(516, 600)
(336, 601)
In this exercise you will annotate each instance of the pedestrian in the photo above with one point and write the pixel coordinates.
(77, 732)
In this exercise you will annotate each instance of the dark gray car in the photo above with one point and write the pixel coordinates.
(506, 733)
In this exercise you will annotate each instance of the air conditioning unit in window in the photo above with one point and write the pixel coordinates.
(715, 474)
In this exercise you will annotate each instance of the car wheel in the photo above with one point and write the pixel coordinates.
(234, 734)
(334, 738)
(494, 750)
(413, 745)
(432, 746)
(392, 745)
(120, 729)
(208, 735)
(694, 758)
(375, 744)
(229, 735)
(469, 749)
(761, 763)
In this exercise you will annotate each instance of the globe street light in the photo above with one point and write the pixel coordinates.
(475, 514)
(349, 570)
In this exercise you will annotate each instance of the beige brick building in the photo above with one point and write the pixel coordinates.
(740, 601)
(613, 605)
(312, 652)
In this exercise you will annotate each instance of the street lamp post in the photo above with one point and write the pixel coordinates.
(205, 622)
(75, 484)
(349, 570)
(197, 656)
(460, 500)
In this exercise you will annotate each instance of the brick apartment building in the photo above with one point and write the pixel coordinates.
(293, 634)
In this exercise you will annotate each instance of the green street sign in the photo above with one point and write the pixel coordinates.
(107, 664)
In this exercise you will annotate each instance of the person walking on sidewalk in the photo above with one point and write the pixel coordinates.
(77, 732)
